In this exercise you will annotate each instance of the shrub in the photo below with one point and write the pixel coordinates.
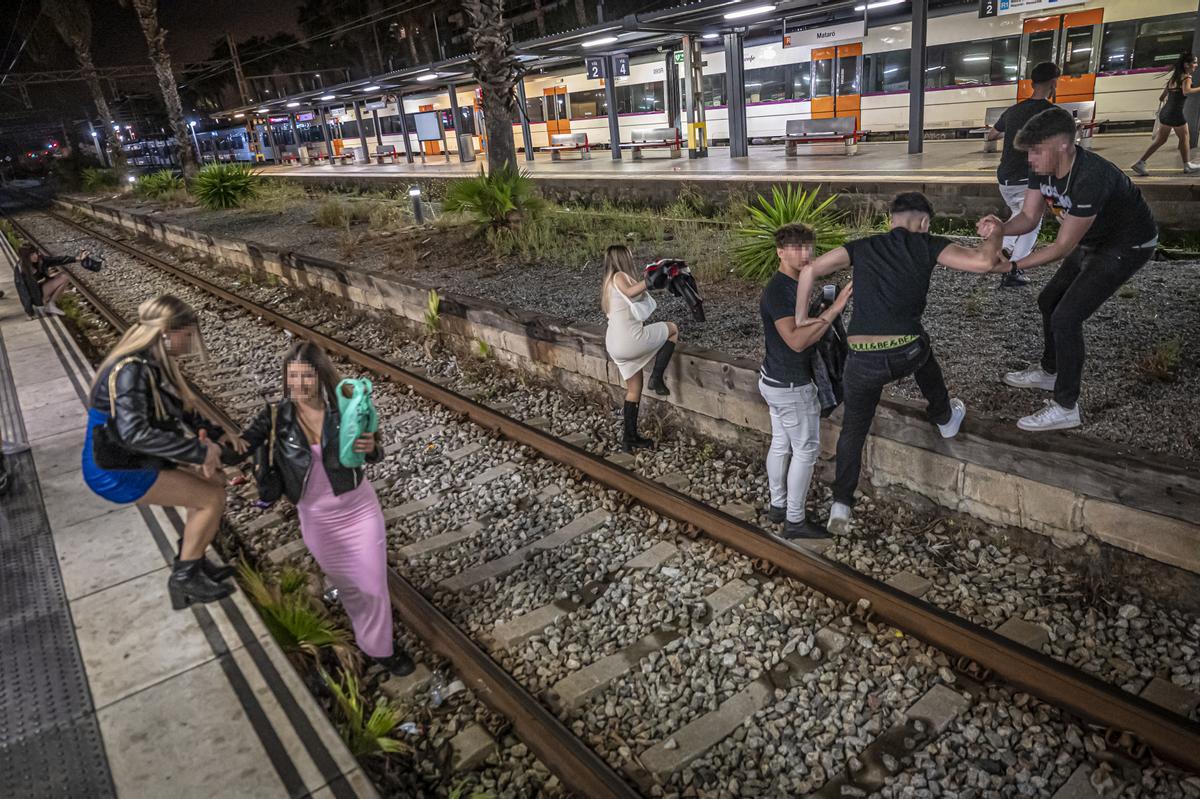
(275, 196)
(754, 252)
(225, 185)
(433, 313)
(331, 213)
(14, 239)
(1161, 365)
(97, 179)
(156, 184)
(503, 199)
(364, 735)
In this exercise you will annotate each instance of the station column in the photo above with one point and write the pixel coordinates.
(735, 93)
(457, 117)
(916, 77)
(526, 133)
(325, 134)
(362, 131)
(295, 134)
(610, 99)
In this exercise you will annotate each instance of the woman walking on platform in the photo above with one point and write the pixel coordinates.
(143, 423)
(1170, 115)
(340, 518)
(630, 342)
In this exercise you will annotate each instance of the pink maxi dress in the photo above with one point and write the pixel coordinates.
(347, 536)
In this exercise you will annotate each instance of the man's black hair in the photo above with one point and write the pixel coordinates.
(1045, 72)
(1046, 125)
(909, 201)
(795, 234)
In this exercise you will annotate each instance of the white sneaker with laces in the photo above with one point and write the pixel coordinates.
(1035, 377)
(958, 412)
(1052, 417)
(1140, 169)
(1191, 169)
(839, 519)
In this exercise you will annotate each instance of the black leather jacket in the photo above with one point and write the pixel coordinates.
(162, 441)
(293, 455)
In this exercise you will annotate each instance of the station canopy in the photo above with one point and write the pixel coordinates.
(633, 34)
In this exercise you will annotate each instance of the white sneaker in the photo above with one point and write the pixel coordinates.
(54, 309)
(1035, 377)
(1052, 417)
(1140, 169)
(958, 412)
(1190, 168)
(839, 519)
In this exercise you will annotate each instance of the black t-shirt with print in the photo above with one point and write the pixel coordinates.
(1014, 165)
(891, 281)
(781, 362)
(1096, 187)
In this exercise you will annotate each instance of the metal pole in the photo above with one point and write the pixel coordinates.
(199, 155)
(526, 133)
(458, 125)
(271, 141)
(610, 99)
(689, 96)
(295, 135)
(735, 94)
(1191, 106)
(325, 135)
(408, 154)
(671, 95)
(378, 132)
(362, 131)
(916, 78)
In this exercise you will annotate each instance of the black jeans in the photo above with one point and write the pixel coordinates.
(862, 385)
(1080, 286)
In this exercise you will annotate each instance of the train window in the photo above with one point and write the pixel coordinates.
(1041, 48)
(967, 64)
(823, 78)
(888, 72)
(936, 73)
(802, 81)
(1162, 40)
(588, 104)
(714, 90)
(1079, 50)
(640, 97)
(847, 76)
(1117, 52)
(535, 107)
(765, 85)
(1005, 56)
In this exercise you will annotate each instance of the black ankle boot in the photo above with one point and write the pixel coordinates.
(211, 570)
(188, 584)
(660, 367)
(631, 439)
(399, 663)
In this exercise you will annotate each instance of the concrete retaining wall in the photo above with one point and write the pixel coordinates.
(1063, 487)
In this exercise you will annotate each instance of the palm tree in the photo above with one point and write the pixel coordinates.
(156, 42)
(73, 21)
(497, 69)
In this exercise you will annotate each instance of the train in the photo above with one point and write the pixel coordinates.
(1115, 53)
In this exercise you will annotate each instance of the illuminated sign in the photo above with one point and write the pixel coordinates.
(826, 34)
(1024, 6)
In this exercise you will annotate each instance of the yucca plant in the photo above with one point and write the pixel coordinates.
(365, 735)
(300, 626)
(754, 252)
(225, 185)
(97, 179)
(433, 314)
(502, 199)
(157, 184)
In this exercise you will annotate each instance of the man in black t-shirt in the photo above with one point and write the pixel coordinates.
(1106, 234)
(1013, 172)
(786, 383)
(887, 341)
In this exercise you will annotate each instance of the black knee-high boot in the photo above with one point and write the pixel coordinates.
(211, 570)
(631, 439)
(660, 367)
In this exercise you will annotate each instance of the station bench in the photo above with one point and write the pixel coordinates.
(385, 151)
(990, 118)
(568, 143)
(1086, 124)
(290, 157)
(835, 136)
(652, 138)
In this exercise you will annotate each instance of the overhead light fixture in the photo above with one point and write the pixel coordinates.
(292, 104)
(600, 42)
(262, 110)
(238, 116)
(371, 89)
(428, 77)
(711, 36)
(328, 96)
(977, 58)
(878, 4)
(752, 11)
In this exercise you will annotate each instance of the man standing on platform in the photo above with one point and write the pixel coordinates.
(1013, 172)
(1106, 234)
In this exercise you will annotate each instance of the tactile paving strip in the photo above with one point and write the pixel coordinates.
(50, 744)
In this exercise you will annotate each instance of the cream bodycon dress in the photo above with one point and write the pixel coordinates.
(630, 343)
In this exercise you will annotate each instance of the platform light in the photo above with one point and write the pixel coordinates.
(238, 116)
(428, 77)
(262, 110)
(878, 4)
(415, 193)
(711, 36)
(600, 42)
(131, 179)
(293, 104)
(328, 97)
(371, 88)
(970, 58)
(752, 11)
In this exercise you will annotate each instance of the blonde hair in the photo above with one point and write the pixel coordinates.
(155, 318)
(617, 259)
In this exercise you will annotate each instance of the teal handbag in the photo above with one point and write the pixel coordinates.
(357, 417)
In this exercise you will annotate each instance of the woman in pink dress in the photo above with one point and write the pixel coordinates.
(340, 518)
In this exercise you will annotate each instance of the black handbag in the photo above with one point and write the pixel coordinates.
(108, 450)
(267, 476)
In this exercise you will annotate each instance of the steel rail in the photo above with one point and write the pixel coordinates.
(580, 769)
(1172, 737)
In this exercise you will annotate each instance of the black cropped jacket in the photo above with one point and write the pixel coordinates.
(161, 441)
(293, 456)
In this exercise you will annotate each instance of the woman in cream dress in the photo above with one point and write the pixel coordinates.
(630, 342)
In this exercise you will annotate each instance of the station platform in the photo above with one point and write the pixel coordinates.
(104, 689)
(961, 160)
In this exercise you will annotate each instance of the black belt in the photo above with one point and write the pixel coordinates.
(1014, 182)
(779, 384)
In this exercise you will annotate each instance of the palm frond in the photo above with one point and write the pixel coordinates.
(754, 251)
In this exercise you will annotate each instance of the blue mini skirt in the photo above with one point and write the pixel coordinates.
(122, 486)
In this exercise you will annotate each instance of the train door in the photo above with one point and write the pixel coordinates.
(836, 82)
(1069, 40)
(557, 120)
(431, 147)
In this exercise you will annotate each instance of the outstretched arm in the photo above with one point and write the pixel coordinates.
(1070, 233)
(984, 258)
(832, 261)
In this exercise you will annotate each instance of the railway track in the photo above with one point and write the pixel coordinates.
(980, 653)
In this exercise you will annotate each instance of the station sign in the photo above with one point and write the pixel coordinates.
(338, 111)
(826, 34)
(275, 120)
(1024, 6)
(621, 65)
(376, 105)
(595, 67)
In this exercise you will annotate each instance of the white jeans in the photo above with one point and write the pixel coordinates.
(1019, 246)
(795, 444)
